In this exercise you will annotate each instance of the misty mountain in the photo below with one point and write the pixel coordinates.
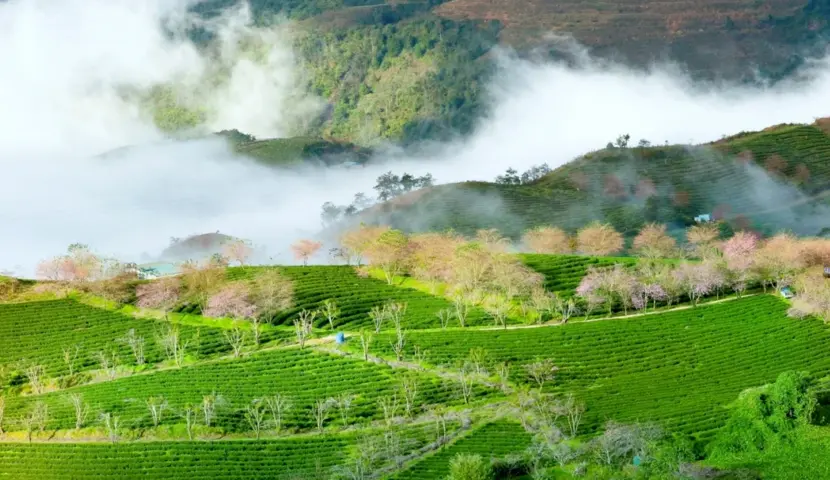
(418, 70)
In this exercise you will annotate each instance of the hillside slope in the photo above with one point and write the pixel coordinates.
(769, 180)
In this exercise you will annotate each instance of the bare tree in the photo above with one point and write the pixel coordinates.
(188, 413)
(156, 406)
(565, 308)
(136, 344)
(109, 363)
(477, 357)
(498, 308)
(70, 356)
(465, 381)
(39, 417)
(112, 423)
(444, 316)
(303, 325)
(399, 344)
(541, 371)
(320, 411)
(395, 313)
(36, 374)
(389, 406)
(599, 239)
(378, 314)
(344, 404)
(35, 417)
(237, 250)
(503, 374)
(255, 415)
(278, 405)
(409, 388)
(235, 337)
(209, 404)
(331, 311)
(365, 341)
(174, 346)
(304, 249)
(81, 409)
(462, 309)
(574, 411)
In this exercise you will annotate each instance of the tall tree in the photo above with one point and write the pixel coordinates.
(551, 240)
(599, 239)
(305, 249)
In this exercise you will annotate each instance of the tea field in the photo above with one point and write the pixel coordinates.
(303, 376)
(291, 458)
(678, 368)
(492, 441)
(39, 332)
(355, 296)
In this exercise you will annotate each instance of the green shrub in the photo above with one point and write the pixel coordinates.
(466, 466)
(765, 416)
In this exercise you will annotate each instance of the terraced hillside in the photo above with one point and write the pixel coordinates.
(355, 296)
(41, 331)
(679, 368)
(311, 457)
(493, 440)
(302, 376)
(326, 409)
(564, 272)
(770, 180)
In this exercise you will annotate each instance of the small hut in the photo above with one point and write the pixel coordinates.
(827, 271)
(703, 218)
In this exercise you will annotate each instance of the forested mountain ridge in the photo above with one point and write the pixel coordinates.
(418, 70)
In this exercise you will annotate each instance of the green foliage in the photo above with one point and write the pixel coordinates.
(495, 439)
(355, 296)
(467, 466)
(764, 416)
(170, 110)
(676, 368)
(410, 80)
(287, 151)
(667, 455)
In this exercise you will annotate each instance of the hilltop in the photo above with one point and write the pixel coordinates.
(284, 152)
(767, 181)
